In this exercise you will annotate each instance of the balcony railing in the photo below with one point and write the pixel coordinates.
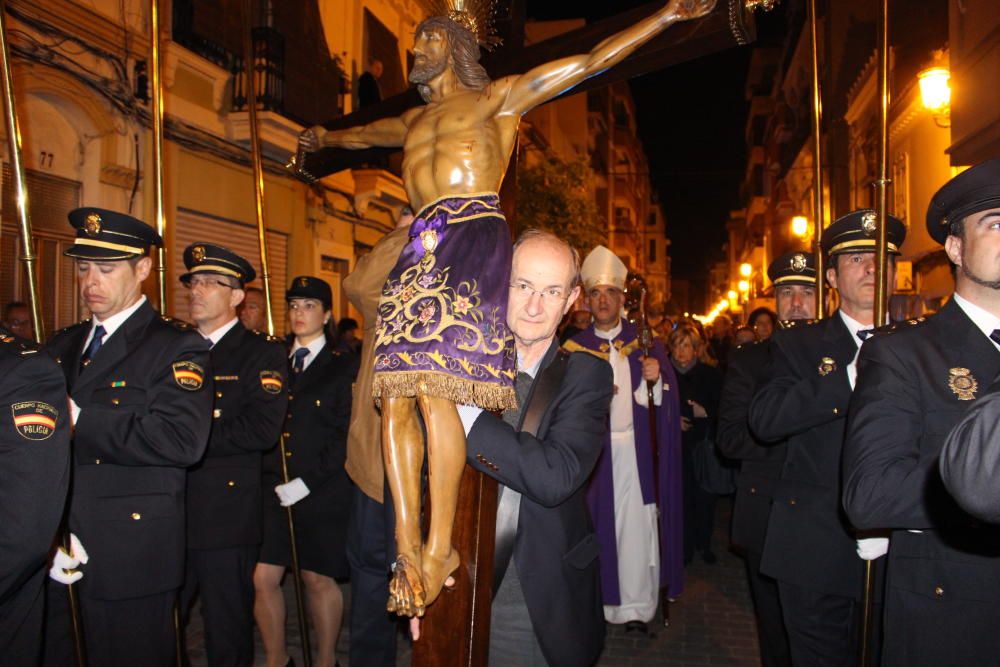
(268, 72)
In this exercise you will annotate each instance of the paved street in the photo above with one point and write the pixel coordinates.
(710, 624)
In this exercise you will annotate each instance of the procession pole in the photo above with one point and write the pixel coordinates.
(157, 109)
(258, 179)
(881, 270)
(817, 116)
(28, 257)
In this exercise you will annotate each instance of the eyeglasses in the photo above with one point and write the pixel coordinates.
(549, 295)
(202, 281)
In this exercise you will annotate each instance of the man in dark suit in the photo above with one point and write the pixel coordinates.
(547, 601)
(810, 549)
(224, 489)
(34, 457)
(794, 277)
(141, 403)
(943, 595)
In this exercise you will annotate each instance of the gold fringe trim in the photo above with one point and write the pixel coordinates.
(405, 384)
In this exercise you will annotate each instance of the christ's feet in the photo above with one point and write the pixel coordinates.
(406, 589)
(436, 571)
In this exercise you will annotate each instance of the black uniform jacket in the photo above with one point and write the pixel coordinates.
(555, 548)
(809, 542)
(315, 431)
(224, 489)
(914, 385)
(34, 476)
(760, 462)
(146, 404)
(970, 460)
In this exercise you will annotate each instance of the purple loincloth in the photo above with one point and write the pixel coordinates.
(442, 318)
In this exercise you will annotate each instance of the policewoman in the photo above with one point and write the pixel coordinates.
(224, 489)
(140, 389)
(315, 434)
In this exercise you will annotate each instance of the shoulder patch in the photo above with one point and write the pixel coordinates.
(188, 375)
(271, 382)
(34, 420)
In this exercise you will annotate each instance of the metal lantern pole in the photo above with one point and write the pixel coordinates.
(161, 220)
(817, 115)
(258, 178)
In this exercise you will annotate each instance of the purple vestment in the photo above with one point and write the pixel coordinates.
(442, 318)
(601, 493)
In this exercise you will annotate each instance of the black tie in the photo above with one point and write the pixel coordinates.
(95, 344)
(509, 503)
(863, 334)
(996, 336)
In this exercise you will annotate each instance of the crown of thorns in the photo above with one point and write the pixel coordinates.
(476, 16)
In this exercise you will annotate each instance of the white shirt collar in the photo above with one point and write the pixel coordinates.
(112, 324)
(854, 326)
(610, 333)
(984, 320)
(217, 335)
(534, 367)
(313, 347)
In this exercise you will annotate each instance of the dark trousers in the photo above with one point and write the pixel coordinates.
(699, 510)
(127, 633)
(822, 628)
(223, 580)
(370, 551)
(21, 618)
(773, 639)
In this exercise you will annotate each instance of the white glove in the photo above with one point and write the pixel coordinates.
(291, 493)
(871, 548)
(63, 563)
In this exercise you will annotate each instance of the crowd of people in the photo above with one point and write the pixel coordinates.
(149, 462)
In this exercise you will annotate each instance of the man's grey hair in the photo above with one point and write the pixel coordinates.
(549, 237)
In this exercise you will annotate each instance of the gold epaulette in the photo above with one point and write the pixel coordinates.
(269, 339)
(180, 325)
(899, 326)
(791, 324)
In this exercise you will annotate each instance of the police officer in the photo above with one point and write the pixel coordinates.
(34, 457)
(141, 403)
(809, 547)
(224, 489)
(794, 277)
(319, 412)
(915, 383)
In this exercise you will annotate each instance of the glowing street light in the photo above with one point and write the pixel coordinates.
(935, 93)
(732, 294)
(800, 226)
(746, 270)
(744, 286)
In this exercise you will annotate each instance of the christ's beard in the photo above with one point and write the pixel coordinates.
(427, 70)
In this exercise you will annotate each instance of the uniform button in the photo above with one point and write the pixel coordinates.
(753, 490)
(286, 435)
(291, 397)
(792, 502)
(317, 404)
(136, 516)
(97, 462)
(115, 401)
(836, 411)
(938, 592)
(218, 394)
(288, 454)
(230, 483)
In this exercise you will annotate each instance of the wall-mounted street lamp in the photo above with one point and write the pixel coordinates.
(746, 270)
(744, 286)
(935, 93)
(800, 226)
(732, 295)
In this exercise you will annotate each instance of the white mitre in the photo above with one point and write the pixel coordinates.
(602, 267)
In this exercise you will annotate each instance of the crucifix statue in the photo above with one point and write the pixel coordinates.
(441, 334)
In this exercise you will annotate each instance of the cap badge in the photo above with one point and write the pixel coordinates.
(198, 253)
(798, 262)
(962, 383)
(868, 223)
(827, 365)
(92, 225)
(303, 282)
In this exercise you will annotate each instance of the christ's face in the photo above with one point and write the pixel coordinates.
(430, 55)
